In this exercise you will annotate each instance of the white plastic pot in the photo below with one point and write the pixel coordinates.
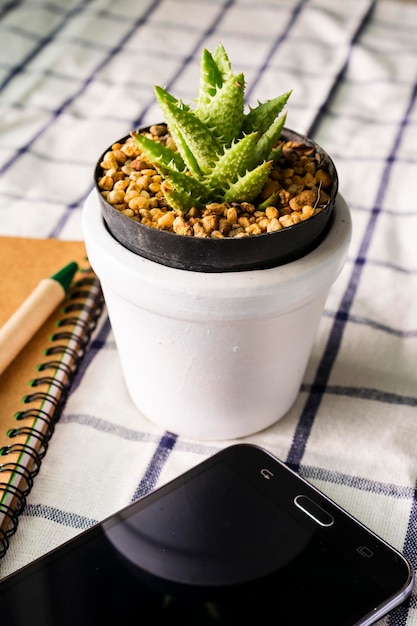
(214, 355)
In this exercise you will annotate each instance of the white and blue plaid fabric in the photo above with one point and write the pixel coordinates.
(77, 75)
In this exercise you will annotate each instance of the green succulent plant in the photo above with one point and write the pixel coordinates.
(223, 153)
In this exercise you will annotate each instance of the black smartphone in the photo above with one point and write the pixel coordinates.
(238, 539)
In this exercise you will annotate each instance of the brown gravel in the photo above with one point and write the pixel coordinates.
(135, 188)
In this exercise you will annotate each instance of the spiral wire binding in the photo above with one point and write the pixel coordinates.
(87, 288)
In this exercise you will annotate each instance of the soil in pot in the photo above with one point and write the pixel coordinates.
(224, 236)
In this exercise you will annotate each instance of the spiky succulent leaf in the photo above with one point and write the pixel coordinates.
(174, 101)
(157, 153)
(220, 102)
(235, 161)
(270, 201)
(275, 154)
(182, 182)
(222, 61)
(196, 143)
(183, 148)
(181, 201)
(223, 112)
(267, 141)
(261, 117)
(210, 79)
(247, 187)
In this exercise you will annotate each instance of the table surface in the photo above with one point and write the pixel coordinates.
(77, 75)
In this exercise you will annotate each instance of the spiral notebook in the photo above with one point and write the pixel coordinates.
(34, 388)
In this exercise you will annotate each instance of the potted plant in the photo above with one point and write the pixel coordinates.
(216, 236)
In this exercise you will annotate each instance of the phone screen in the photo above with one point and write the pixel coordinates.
(224, 544)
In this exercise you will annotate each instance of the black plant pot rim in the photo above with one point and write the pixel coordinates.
(229, 254)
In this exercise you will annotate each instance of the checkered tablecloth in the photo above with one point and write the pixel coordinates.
(77, 75)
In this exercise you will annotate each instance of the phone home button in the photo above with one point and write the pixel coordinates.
(313, 510)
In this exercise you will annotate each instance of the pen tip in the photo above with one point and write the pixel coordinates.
(65, 275)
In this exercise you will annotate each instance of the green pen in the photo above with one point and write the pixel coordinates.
(33, 312)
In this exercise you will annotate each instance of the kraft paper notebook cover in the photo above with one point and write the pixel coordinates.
(34, 387)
